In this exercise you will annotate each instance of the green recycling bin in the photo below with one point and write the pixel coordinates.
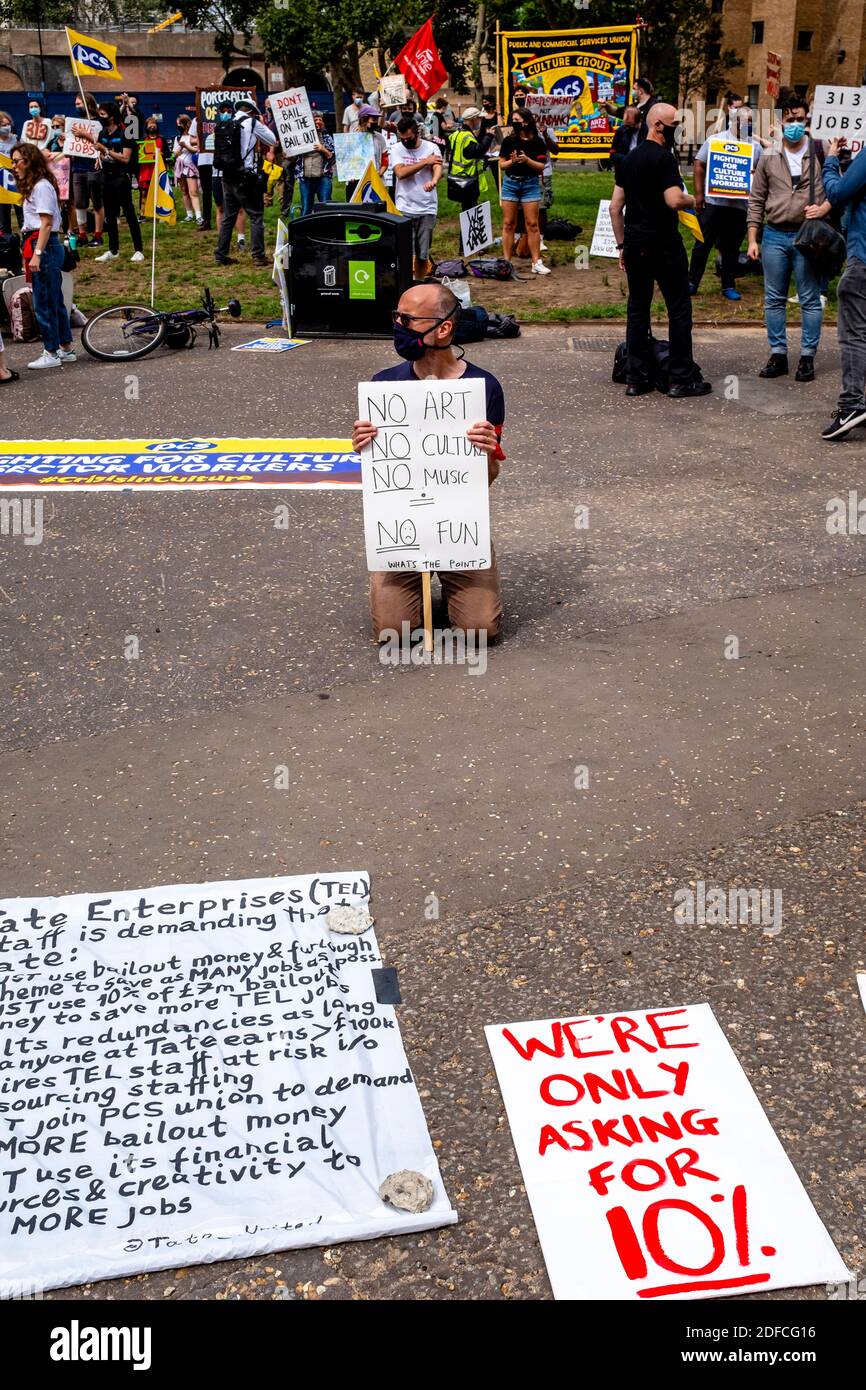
(349, 263)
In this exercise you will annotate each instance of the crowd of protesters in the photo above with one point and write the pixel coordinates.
(794, 180)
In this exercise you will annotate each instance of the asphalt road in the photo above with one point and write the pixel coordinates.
(706, 522)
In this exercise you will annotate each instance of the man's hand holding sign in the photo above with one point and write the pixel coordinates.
(428, 435)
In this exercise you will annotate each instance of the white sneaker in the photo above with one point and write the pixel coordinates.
(794, 299)
(540, 269)
(67, 355)
(109, 256)
(542, 245)
(190, 217)
(823, 301)
(242, 242)
(76, 318)
(46, 359)
(137, 256)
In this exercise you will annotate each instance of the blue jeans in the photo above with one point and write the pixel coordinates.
(48, 303)
(314, 190)
(778, 258)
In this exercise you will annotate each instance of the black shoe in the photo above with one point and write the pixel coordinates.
(844, 421)
(639, 388)
(689, 388)
(693, 289)
(261, 261)
(777, 365)
(805, 369)
(225, 260)
(203, 227)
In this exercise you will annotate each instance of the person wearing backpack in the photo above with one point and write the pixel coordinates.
(44, 254)
(117, 152)
(236, 155)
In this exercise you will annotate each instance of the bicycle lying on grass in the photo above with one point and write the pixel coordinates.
(130, 331)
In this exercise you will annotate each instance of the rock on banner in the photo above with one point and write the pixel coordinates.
(595, 67)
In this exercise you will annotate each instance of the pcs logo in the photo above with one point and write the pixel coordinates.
(173, 446)
(90, 58)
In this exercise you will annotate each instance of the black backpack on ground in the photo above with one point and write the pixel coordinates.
(471, 326)
(560, 229)
(502, 326)
(661, 364)
(10, 252)
(228, 148)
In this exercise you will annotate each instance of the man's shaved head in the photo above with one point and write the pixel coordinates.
(663, 111)
(431, 299)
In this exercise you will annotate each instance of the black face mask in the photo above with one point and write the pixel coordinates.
(410, 344)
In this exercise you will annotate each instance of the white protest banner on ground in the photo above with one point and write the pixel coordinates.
(603, 236)
(476, 229)
(278, 274)
(838, 111)
(293, 120)
(426, 497)
(77, 145)
(729, 168)
(354, 151)
(212, 1070)
(550, 109)
(392, 90)
(650, 1166)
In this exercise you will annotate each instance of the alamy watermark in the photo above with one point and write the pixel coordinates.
(22, 517)
(451, 647)
(704, 906)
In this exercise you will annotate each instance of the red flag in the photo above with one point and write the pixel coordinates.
(420, 64)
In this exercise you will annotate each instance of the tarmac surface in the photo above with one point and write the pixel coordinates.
(706, 523)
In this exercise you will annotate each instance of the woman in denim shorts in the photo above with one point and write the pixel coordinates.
(521, 159)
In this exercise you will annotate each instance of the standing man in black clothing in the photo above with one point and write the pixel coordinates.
(643, 210)
(645, 99)
(624, 136)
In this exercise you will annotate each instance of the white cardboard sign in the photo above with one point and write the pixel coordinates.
(476, 229)
(603, 237)
(550, 109)
(425, 490)
(74, 144)
(293, 119)
(650, 1166)
(209, 1070)
(392, 90)
(838, 111)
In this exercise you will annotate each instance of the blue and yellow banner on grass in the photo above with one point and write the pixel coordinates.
(159, 202)
(92, 57)
(107, 465)
(8, 187)
(595, 67)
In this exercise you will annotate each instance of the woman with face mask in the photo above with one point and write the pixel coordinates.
(7, 143)
(36, 129)
(315, 169)
(522, 159)
(87, 180)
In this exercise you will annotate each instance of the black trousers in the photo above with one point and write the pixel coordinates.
(117, 195)
(663, 264)
(205, 178)
(288, 189)
(725, 228)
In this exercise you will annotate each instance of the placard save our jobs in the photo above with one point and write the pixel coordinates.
(425, 489)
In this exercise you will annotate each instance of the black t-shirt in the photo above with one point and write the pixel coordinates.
(118, 142)
(533, 148)
(405, 371)
(643, 176)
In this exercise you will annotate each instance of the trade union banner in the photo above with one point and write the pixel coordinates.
(595, 67)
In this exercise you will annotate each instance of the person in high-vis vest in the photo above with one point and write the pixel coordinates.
(466, 159)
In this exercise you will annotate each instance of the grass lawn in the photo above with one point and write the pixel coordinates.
(185, 264)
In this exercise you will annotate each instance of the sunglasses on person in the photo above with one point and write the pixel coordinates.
(408, 319)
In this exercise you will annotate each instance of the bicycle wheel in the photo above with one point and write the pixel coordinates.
(123, 334)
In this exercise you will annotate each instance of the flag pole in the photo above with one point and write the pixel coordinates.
(75, 73)
(153, 245)
(496, 103)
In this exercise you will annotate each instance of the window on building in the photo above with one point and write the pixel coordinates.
(757, 31)
(717, 6)
(752, 95)
(801, 88)
(714, 50)
(712, 96)
(804, 41)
